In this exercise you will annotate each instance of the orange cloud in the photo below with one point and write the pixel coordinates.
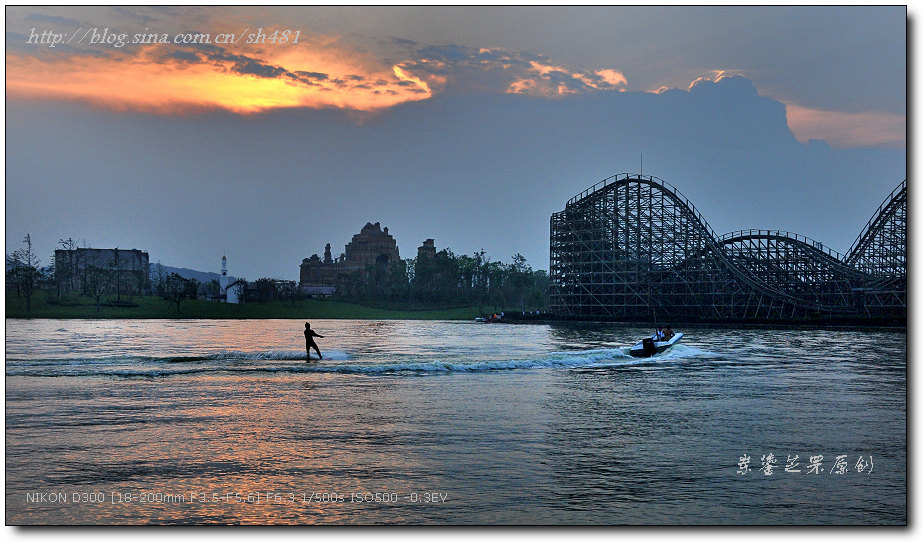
(680, 82)
(550, 81)
(843, 130)
(713, 76)
(612, 77)
(167, 79)
(522, 86)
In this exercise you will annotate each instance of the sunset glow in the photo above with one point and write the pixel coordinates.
(842, 129)
(156, 81)
(340, 69)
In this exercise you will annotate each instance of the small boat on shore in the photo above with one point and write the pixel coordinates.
(490, 318)
(648, 347)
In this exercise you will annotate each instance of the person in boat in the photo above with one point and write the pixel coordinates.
(668, 333)
(658, 335)
(309, 335)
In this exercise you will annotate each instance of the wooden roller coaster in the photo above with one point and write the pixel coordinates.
(633, 248)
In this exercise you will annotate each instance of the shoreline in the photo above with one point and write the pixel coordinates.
(155, 308)
(44, 306)
(719, 325)
(549, 322)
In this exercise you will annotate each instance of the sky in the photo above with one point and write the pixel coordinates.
(163, 129)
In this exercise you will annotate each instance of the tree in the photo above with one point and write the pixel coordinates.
(176, 289)
(520, 279)
(449, 278)
(158, 276)
(117, 268)
(66, 269)
(240, 288)
(467, 273)
(212, 288)
(97, 283)
(265, 289)
(289, 290)
(12, 274)
(482, 278)
(24, 269)
(398, 280)
(132, 286)
(497, 274)
(538, 294)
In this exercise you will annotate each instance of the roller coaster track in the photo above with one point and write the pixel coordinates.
(881, 248)
(633, 247)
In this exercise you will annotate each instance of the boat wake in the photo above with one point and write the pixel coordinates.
(268, 355)
(334, 362)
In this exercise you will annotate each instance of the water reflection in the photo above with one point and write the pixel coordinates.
(599, 438)
(660, 446)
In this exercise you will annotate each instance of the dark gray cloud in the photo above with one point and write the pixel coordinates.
(840, 58)
(250, 65)
(312, 75)
(410, 44)
(183, 56)
(837, 58)
(467, 69)
(489, 169)
(254, 67)
(220, 56)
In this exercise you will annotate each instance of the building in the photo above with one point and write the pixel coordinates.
(129, 268)
(317, 272)
(633, 248)
(371, 246)
(427, 250)
(226, 291)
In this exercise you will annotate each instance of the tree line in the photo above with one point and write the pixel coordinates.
(444, 279)
(449, 279)
(68, 276)
(23, 273)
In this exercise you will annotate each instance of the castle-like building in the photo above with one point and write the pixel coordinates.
(371, 246)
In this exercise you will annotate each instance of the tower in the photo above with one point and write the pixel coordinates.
(223, 281)
(230, 297)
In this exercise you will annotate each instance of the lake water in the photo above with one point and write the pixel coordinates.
(407, 422)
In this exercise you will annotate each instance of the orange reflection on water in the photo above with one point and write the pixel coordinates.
(245, 454)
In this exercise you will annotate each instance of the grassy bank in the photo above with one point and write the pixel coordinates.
(43, 306)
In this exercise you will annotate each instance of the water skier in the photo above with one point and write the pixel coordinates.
(309, 343)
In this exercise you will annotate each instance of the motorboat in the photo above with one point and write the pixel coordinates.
(649, 346)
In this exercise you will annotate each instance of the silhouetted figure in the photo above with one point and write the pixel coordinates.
(309, 341)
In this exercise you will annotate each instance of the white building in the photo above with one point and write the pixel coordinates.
(229, 294)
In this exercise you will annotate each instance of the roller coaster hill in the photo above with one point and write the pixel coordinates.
(631, 248)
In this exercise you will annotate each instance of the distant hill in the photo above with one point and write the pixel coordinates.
(200, 276)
